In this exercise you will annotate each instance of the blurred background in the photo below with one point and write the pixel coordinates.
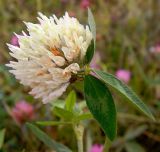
(128, 46)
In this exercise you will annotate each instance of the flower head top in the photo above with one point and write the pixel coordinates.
(49, 55)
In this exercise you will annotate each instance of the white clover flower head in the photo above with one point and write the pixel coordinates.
(49, 55)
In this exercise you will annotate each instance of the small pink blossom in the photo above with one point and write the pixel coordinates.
(85, 4)
(155, 49)
(123, 75)
(96, 148)
(22, 111)
(14, 40)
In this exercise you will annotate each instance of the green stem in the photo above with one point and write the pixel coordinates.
(87, 69)
(39, 5)
(107, 145)
(79, 130)
(88, 140)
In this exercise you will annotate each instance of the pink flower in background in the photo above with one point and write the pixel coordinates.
(96, 61)
(64, 1)
(14, 40)
(72, 14)
(155, 49)
(123, 75)
(22, 111)
(96, 148)
(85, 4)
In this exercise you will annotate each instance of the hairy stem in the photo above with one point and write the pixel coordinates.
(79, 130)
(107, 145)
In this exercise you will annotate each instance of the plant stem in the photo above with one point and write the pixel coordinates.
(88, 140)
(107, 145)
(87, 69)
(39, 5)
(79, 130)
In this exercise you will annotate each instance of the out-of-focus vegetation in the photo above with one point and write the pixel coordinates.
(128, 37)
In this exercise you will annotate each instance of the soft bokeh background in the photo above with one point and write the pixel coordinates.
(128, 45)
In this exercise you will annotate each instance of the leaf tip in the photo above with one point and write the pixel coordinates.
(152, 117)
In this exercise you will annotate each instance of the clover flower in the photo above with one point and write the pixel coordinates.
(123, 75)
(96, 148)
(48, 56)
(85, 4)
(155, 49)
(23, 111)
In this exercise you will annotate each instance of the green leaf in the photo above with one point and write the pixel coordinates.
(2, 134)
(83, 117)
(60, 112)
(89, 53)
(52, 123)
(125, 90)
(133, 146)
(70, 101)
(47, 140)
(92, 24)
(92, 46)
(135, 132)
(100, 102)
(58, 103)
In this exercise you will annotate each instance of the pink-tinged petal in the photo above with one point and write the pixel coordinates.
(14, 40)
